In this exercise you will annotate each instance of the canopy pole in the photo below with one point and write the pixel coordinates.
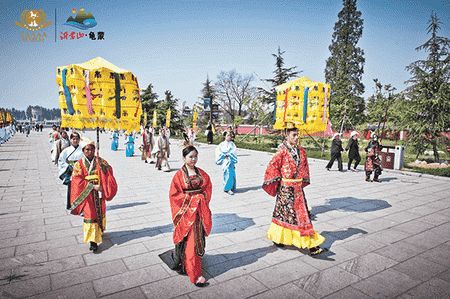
(98, 141)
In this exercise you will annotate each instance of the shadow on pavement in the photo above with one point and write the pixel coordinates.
(333, 236)
(127, 205)
(351, 204)
(388, 179)
(222, 223)
(243, 190)
(229, 222)
(330, 238)
(232, 260)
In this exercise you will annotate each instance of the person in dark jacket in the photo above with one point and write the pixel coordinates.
(209, 135)
(353, 150)
(336, 149)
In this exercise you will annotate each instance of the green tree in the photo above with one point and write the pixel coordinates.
(345, 67)
(430, 91)
(263, 104)
(209, 92)
(380, 104)
(176, 123)
(282, 75)
(149, 101)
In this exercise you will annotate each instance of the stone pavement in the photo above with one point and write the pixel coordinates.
(386, 240)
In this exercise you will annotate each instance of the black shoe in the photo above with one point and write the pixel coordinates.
(327, 168)
(93, 246)
(146, 161)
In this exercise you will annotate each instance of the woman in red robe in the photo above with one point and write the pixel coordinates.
(91, 176)
(286, 176)
(190, 194)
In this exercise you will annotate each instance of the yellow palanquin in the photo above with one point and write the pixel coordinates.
(97, 93)
(303, 103)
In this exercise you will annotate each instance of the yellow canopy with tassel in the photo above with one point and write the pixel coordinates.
(97, 93)
(304, 104)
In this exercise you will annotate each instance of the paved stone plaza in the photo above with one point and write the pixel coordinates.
(385, 240)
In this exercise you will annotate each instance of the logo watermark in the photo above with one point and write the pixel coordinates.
(33, 20)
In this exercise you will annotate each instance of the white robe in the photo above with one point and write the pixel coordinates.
(69, 154)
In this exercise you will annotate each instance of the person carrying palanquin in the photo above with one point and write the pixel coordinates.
(190, 195)
(286, 176)
(226, 156)
(67, 160)
(162, 151)
(93, 184)
(373, 162)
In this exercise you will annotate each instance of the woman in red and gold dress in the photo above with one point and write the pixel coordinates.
(91, 177)
(286, 176)
(190, 194)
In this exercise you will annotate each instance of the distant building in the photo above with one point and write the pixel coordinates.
(186, 111)
(36, 114)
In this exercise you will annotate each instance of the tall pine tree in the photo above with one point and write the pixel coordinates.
(268, 96)
(430, 91)
(208, 92)
(282, 75)
(345, 67)
(176, 124)
(149, 100)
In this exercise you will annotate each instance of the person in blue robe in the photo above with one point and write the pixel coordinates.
(226, 156)
(129, 146)
(114, 140)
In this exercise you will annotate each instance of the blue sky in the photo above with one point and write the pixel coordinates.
(175, 44)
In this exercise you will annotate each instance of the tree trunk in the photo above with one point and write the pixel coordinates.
(435, 150)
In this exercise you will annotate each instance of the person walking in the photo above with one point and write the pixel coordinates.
(209, 133)
(93, 184)
(129, 145)
(147, 145)
(353, 151)
(114, 140)
(373, 162)
(60, 145)
(285, 177)
(162, 152)
(336, 149)
(226, 156)
(66, 162)
(190, 195)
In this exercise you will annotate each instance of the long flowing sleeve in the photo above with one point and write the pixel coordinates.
(184, 206)
(272, 177)
(220, 156)
(80, 188)
(107, 181)
(304, 172)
